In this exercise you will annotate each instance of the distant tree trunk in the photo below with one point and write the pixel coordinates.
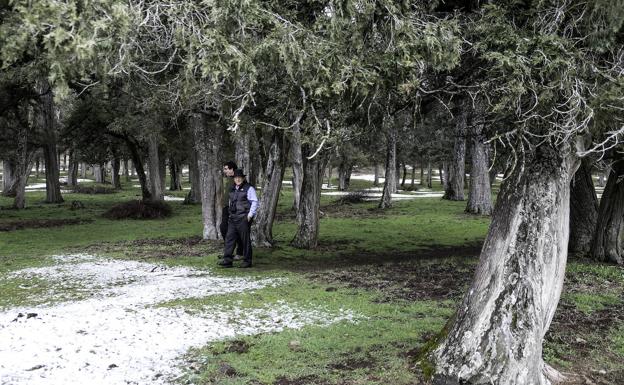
(99, 171)
(345, 168)
(262, 228)
(422, 171)
(404, 175)
(601, 179)
(308, 215)
(441, 172)
(8, 178)
(376, 177)
(413, 175)
(175, 179)
(126, 171)
(116, 177)
(155, 182)
(429, 174)
(608, 242)
(390, 180)
(583, 210)
(330, 171)
(480, 193)
(162, 169)
(208, 134)
(455, 186)
(137, 162)
(72, 173)
(194, 194)
(496, 336)
(297, 163)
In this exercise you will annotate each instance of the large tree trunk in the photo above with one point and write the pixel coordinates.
(22, 168)
(50, 154)
(480, 193)
(308, 215)
(242, 147)
(297, 163)
(175, 179)
(390, 178)
(455, 186)
(262, 229)
(608, 242)
(496, 336)
(208, 134)
(155, 181)
(583, 210)
(194, 194)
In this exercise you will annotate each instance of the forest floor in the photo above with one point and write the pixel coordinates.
(120, 296)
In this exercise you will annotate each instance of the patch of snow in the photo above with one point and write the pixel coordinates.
(173, 198)
(117, 335)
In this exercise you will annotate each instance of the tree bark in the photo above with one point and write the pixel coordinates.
(583, 210)
(115, 175)
(413, 176)
(608, 242)
(175, 178)
(345, 168)
(308, 215)
(242, 147)
(455, 186)
(194, 194)
(72, 173)
(262, 229)
(126, 171)
(496, 336)
(208, 134)
(8, 178)
(99, 172)
(429, 174)
(390, 177)
(138, 166)
(22, 168)
(155, 181)
(480, 193)
(376, 177)
(50, 153)
(297, 163)
(441, 173)
(404, 175)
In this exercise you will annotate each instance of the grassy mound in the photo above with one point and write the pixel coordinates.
(139, 210)
(353, 197)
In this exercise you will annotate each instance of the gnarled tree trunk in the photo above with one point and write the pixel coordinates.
(262, 229)
(208, 133)
(480, 193)
(390, 177)
(583, 210)
(496, 336)
(308, 215)
(608, 242)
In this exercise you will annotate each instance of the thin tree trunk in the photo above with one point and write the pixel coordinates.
(480, 193)
(441, 173)
(155, 182)
(126, 167)
(308, 215)
(422, 171)
(390, 178)
(404, 175)
(262, 228)
(583, 210)
(330, 171)
(429, 174)
(413, 176)
(297, 163)
(208, 134)
(376, 177)
(37, 166)
(22, 167)
(496, 336)
(138, 165)
(72, 173)
(194, 194)
(455, 188)
(116, 178)
(608, 242)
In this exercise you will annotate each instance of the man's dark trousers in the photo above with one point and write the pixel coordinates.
(238, 230)
(223, 227)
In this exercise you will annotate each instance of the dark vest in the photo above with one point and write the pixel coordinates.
(239, 204)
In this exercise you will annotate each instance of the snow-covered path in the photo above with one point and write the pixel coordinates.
(113, 334)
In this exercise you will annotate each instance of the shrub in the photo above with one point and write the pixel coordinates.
(139, 210)
(352, 198)
(94, 190)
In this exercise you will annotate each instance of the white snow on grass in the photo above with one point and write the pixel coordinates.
(117, 335)
(173, 198)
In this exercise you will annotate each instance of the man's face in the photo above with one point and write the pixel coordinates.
(238, 180)
(228, 171)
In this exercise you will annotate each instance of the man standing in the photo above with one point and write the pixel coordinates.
(226, 186)
(243, 203)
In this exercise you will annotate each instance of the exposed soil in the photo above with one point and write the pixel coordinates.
(159, 248)
(41, 223)
(305, 380)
